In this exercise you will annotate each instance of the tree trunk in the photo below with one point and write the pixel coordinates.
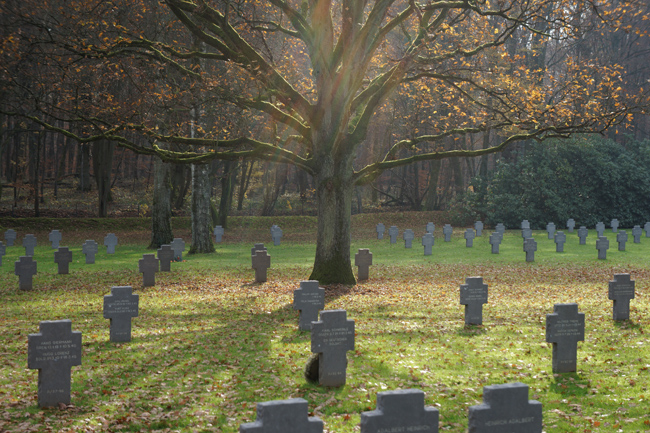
(244, 181)
(102, 167)
(432, 193)
(84, 169)
(201, 220)
(161, 214)
(227, 189)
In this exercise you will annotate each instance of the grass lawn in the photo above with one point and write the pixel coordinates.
(209, 343)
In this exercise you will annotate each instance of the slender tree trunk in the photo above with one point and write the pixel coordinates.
(161, 214)
(35, 153)
(84, 169)
(244, 182)
(227, 189)
(432, 193)
(102, 167)
(201, 219)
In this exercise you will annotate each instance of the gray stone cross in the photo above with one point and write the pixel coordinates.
(331, 337)
(447, 231)
(582, 235)
(276, 235)
(478, 226)
(54, 351)
(63, 258)
(261, 262)
(500, 228)
(408, 237)
(636, 234)
(646, 228)
(495, 241)
(570, 224)
(560, 239)
(473, 294)
(283, 416)
(602, 245)
(25, 268)
(178, 245)
(526, 233)
(110, 242)
(428, 241)
(525, 224)
(614, 224)
(381, 228)
(530, 246)
(564, 328)
(165, 255)
(90, 248)
(148, 265)
(10, 237)
(621, 291)
(600, 228)
(120, 306)
(55, 238)
(3, 251)
(257, 247)
(621, 238)
(218, 233)
(393, 232)
(506, 408)
(430, 228)
(363, 259)
(29, 242)
(309, 299)
(469, 238)
(550, 229)
(400, 411)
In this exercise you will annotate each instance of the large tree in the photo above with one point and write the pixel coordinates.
(324, 69)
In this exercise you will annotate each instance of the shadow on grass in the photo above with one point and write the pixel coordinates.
(471, 330)
(627, 324)
(570, 385)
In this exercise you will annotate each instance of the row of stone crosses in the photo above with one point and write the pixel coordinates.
(56, 349)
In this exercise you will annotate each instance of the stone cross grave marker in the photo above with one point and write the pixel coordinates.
(428, 241)
(165, 255)
(148, 265)
(500, 228)
(614, 224)
(621, 238)
(363, 259)
(550, 229)
(570, 224)
(276, 235)
(309, 299)
(430, 228)
(582, 235)
(257, 247)
(110, 242)
(560, 239)
(636, 234)
(526, 233)
(506, 408)
(408, 237)
(495, 241)
(447, 231)
(564, 328)
(120, 306)
(478, 226)
(621, 290)
(381, 228)
(55, 238)
(25, 268)
(469, 238)
(63, 258)
(473, 294)
(54, 351)
(90, 248)
(29, 242)
(530, 246)
(10, 237)
(525, 224)
(283, 416)
(400, 411)
(331, 337)
(218, 233)
(392, 233)
(3, 251)
(261, 262)
(602, 245)
(600, 228)
(646, 228)
(178, 245)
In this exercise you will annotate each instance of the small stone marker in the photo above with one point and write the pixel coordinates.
(165, 255)
(530, 246)
(646, 228)
(261, 262)
(636, 234)
(408, 237)
(614, 225)
(473, 294)
(602, 245)
(3, 251)
(55, 238)
(392, 233)
(25, 268)
(148, 265)
(506, 408)
(564, 328)
(621, 291)
(431, 227)
(309, 299)
(478, 226)
(550, 229)
(400, 411)
(283, 416)
(500, 228)
(469, 238)
(570, 224)
(110, 242)
(447, 231)
(526, 233)
(621, 238)
(600, 228)
(120, 306)
(428, 241)
(54, 351)
(257, 247)
(276, 235)
(363, 259)
(29, 242)
(331, 337)
(90, 248)
(525, 224)
(63, 258)
(582, 235)
(495, 241)
(381, 228)
(218, 233)
(10, 237)
(560, 239)
(178, 245)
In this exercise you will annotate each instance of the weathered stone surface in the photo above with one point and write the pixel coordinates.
(570, 224)
(530, 246)
(90, 248)
(400, 411)
(392, 233)
(3, 251)
(636, 234)
(500, 228)
(25, 268)
(332, 336)
(600, 228)
(506, 409)
(621, 239)
(148, 265)
(55, 239)
(525, 224)
(526, 233)
(120, 306)
(614, 225)
(257, 247)
(646, 228)
(283, 416)
(469, 238)
(309, 299)
(381, 228)
(29, 242)
(447, 230)
(495, 241)
(110, 242)
(63, 258)
(473, 294)
(178, 245)
(560, 240)
(602, 245)
(261, 262)
(621, 291)
(10, 237)
(478, 226)
(165, 255)
(430, 228)
(363, 259)
(564, 328)
(582, 235)
(428, 241)
(276, 235)
(408, 237)
(218, 233)
(550, 229)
